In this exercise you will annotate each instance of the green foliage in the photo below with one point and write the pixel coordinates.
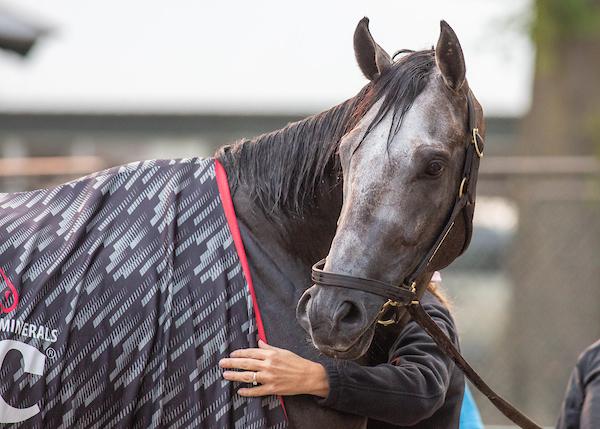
(562, 21)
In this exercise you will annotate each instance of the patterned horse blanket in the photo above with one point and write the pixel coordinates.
(120, 293)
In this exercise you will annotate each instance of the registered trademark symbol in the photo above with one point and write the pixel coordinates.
(51, 353)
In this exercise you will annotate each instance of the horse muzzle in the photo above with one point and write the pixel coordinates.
(338, 320)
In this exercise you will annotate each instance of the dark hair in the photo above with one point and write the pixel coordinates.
(284, 168)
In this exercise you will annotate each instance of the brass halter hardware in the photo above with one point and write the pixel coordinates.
(390, 303)
(476, 135)
(461, 189)
(413, 287)
(396, 304)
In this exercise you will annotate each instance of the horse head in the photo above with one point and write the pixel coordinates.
(403, 162)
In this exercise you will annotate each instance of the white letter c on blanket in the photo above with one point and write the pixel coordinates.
(34, 362)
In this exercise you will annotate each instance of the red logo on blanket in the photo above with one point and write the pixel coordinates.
(10, 298)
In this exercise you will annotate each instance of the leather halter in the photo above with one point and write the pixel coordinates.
(461, 212)
(406, 295)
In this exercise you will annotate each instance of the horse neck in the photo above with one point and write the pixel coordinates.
(305, 239)
(305, 236)
(287, 185)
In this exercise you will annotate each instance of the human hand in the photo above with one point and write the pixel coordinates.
(278, 372)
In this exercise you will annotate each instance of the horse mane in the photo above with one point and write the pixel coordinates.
(284, 168)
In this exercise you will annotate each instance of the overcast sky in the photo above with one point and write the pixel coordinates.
(240, 56)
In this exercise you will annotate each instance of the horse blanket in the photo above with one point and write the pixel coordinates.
(120, 293)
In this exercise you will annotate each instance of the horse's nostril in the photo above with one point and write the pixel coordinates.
(347, 313)
(301, 310)
(303, 302)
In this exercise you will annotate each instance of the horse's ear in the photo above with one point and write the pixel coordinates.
(449, 57)
(371, 57)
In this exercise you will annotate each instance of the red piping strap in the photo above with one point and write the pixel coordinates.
(237, 240)
(229, 210)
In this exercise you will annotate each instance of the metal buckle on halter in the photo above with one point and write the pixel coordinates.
(476, 142)
(394, 319)
(396, 304)
(461, 189)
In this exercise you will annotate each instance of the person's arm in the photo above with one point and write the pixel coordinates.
(570, 412)
(590, 410)
(581, 404)
(404, 392)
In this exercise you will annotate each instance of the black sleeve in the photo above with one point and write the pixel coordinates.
(590, 410)
(403, 393)
(570, 412)
(590, 416)
(581, 405)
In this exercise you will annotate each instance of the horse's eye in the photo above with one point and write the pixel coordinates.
(435, 168)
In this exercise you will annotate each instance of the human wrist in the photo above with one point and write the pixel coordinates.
(318, 380)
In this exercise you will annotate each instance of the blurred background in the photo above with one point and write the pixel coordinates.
(88, 85)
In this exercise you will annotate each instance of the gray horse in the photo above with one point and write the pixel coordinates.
(123, 289)
(369, 183)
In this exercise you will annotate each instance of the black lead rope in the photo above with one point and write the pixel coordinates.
(406, 296)
(420, 316)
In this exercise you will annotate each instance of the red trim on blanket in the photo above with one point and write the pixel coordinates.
(229, 210)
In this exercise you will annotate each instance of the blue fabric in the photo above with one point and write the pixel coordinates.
(469, 413)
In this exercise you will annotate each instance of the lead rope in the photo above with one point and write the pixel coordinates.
(441, 339)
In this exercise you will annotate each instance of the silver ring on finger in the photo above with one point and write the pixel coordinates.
(254, 381)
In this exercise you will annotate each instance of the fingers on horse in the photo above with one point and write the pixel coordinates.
(264, 346)
(256, 391)
(243, 377)
(242, 363)
(251, 353)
